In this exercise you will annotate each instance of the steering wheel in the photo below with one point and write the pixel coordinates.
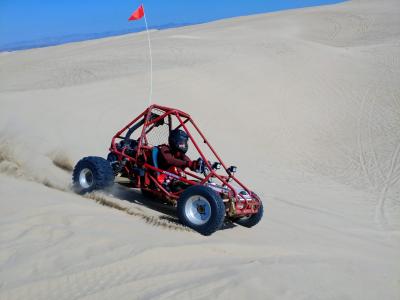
(202, 167)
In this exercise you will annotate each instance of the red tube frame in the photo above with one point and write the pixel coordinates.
(242, 205)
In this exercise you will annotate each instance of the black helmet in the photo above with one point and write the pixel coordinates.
(178, 140)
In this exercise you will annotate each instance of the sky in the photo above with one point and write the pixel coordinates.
(30, 23)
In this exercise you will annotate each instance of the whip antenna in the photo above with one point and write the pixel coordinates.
(138, 14)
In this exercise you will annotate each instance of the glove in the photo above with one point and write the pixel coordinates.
(193, 165)
(196, 165)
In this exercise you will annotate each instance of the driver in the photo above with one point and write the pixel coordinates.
(174, 154)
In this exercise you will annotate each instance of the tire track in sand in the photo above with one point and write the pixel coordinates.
(12, 165)
(390, 65)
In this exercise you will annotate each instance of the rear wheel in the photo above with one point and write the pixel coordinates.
(112, 158)
(92, 173)
(201, 209)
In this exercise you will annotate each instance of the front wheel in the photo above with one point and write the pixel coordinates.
(201, 209)
(92, 173)
(251, 220)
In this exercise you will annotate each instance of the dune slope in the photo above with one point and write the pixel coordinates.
(313, 95)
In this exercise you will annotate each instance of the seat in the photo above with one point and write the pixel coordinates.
(154, 156)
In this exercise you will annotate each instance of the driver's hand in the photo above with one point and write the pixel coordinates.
(196, 165)
(193, 165)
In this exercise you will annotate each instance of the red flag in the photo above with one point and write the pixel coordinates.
(137, 14)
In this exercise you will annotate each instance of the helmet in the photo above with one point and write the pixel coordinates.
(178, 140)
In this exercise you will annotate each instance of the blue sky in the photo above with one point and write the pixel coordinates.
(53, 20)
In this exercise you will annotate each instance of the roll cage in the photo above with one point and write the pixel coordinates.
(145, 133)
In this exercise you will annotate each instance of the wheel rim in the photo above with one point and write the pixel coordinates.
(86, 178)
(198, 210)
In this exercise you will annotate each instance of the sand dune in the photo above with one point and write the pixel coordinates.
(314, 96)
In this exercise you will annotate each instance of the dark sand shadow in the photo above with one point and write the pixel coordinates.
(168, 211)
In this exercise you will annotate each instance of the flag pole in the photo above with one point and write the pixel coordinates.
(151, 58)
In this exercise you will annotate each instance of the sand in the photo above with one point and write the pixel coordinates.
(312, 96)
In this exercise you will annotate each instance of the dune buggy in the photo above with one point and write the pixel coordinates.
(204, 198)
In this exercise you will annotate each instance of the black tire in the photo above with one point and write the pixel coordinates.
(112, 158)
(251, 220)
(92, 173)
(209, 206)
